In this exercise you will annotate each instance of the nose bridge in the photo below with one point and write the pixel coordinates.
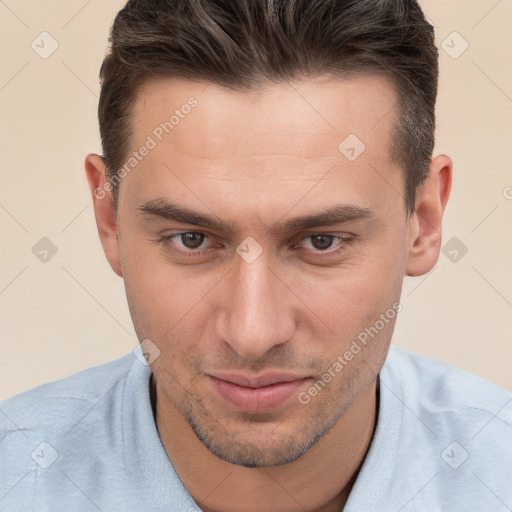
(256, 315)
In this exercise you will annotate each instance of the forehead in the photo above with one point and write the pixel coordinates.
(327, 108)
(250, 143)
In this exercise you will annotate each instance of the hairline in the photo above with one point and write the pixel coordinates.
(262, 84)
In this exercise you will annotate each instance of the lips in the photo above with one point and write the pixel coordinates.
(257, 382)
(256, 394)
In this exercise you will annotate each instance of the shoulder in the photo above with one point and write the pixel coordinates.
(58, 404)
(456, 425)
(67, 439)
(440, 385)
(445, 436)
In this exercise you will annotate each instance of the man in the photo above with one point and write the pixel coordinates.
(267, 182)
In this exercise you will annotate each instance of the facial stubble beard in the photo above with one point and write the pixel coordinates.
(228, 446)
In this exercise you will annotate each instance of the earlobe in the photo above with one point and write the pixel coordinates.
(100, 187)
(426, 223)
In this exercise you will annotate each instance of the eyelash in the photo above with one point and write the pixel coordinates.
(166, 241)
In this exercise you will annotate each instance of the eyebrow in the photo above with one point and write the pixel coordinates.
(160, 208)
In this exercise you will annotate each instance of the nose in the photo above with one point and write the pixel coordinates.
(257, 312)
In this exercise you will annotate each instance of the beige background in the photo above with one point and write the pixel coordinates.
(70, 313)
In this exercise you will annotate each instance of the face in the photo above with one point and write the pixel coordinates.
(263, 286)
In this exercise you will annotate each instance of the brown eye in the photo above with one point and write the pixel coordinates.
(326, 245)
(321, 242)
(192, 240)
(186, 243)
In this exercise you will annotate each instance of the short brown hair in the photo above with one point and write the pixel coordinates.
(240, 44)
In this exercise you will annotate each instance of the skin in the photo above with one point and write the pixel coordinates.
(254, 159)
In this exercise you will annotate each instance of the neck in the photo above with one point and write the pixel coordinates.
(319, 481)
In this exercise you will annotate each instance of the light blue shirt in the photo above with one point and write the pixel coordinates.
(89, 442)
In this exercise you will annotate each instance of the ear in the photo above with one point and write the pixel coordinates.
(425, 225)
(104, 211)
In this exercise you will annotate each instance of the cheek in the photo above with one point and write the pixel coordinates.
(349, 298)
(151, 290)
(350, 301)
(166, 301)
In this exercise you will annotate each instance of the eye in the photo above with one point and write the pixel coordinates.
(321, 242)
(189, 241)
